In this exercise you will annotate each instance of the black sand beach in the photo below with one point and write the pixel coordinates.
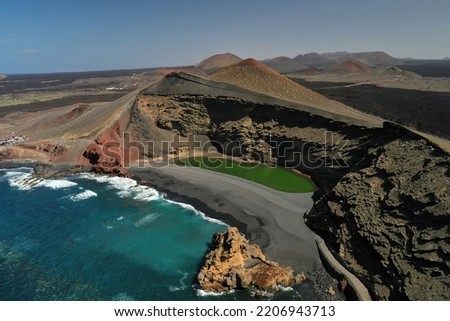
(271, 219)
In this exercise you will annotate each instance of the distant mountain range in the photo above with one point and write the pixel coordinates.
(284, 64)
(341, 62)
(2, 76)
(309, 62)
(371, 58)
(314, 59)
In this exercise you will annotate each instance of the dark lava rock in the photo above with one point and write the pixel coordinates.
(389, 220)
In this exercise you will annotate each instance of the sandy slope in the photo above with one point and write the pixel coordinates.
(64, 133)
(255, 76)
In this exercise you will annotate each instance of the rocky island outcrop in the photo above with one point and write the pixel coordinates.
(233, 263)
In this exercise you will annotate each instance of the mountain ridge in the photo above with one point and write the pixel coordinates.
(283, 64)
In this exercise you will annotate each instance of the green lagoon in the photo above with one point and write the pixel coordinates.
(278, 178)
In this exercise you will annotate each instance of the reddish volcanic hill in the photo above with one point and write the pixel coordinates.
(350, 66)
(253, 75)
(308, 71)
(217, 62)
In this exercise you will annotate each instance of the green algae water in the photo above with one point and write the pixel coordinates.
(274, 177)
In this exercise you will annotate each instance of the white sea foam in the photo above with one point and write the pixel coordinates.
(122, 297)
(19, 180)
(14, 173)
(23, 179)
(10, 174)
(283, 288)
(83, 196)
(56, 183)
(19, 169)
(197, 212)
(201, 292)
(147, 219)
(182, 285)
(129, 188)
(126, 187)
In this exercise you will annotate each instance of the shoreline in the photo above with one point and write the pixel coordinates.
(269, 218)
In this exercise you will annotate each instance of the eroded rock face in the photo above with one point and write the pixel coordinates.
(390, 220)
(234, 263)
(182, 114)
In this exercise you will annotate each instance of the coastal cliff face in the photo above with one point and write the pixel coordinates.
(383, 205)
(234, 263)
(388, 219)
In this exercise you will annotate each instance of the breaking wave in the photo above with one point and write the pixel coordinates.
(126, 187)
(23, 179)
(129, 188)
(197, 212)
(147, 219)
(83, 196)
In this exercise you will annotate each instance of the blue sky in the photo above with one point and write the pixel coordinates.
(75, 35)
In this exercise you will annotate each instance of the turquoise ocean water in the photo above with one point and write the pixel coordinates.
(99, 238)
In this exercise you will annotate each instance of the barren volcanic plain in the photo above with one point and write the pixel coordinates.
(382, 203)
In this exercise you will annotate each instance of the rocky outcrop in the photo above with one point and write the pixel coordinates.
(104, 164)
(54, 150)
(243, 138)
(77, 111)
(388, 220)
(111, 171)
(181, 114)
(234, 263)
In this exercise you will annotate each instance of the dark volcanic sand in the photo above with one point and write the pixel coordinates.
(272, 219)
(428, 68)
(423, 110)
